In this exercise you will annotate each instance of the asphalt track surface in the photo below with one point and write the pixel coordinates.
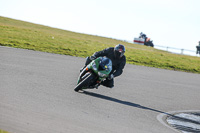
(37, 96)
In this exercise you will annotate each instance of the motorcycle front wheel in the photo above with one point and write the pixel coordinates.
(84, 82)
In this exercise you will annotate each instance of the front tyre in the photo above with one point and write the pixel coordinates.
(84, 83)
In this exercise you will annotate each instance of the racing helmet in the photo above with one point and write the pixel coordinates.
(119, 51)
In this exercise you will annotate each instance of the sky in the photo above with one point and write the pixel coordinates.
(169, 23)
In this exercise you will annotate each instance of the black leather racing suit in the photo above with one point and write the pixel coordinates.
(117, 64)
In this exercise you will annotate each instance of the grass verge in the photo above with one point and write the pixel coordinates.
(20, 34)
(2, 131)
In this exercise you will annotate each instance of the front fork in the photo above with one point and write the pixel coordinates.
(83, 74)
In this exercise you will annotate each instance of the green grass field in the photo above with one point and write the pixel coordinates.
(2, 131)
(20, 34)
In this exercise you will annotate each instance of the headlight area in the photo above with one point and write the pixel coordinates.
(94, 66)
(102, 74)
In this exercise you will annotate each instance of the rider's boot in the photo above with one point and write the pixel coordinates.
(96, 86)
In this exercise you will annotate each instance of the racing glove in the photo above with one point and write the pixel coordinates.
(92, 57)
(111, 76)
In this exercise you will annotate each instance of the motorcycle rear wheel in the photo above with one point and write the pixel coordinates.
(84, 82)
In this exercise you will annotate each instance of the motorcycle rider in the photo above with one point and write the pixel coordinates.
(198, 49)
(142, 35)
(116, 55)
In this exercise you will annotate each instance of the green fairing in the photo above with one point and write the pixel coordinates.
(106, 72)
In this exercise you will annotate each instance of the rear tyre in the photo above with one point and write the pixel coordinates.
(84, 83)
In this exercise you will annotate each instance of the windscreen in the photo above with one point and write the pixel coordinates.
(105, 64)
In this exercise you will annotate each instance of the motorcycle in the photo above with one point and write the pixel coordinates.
(147, 41)
(94, 74)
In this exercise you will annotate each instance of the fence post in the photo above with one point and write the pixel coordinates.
(182, 51)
